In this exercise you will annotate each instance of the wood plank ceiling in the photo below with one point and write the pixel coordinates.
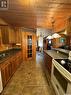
(37, 13)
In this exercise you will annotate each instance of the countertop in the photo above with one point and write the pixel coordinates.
(65, 51)
(55, 54)
(4, 55)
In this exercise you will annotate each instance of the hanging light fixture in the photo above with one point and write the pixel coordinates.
(49, 37)
(55, 35)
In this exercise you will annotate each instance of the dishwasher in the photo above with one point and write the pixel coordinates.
(1, 86)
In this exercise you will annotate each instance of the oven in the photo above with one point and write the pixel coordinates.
(61, 79)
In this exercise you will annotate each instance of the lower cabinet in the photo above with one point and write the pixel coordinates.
(6, 72)
(48, 62)
(9, 67)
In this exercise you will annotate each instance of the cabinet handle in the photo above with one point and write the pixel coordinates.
(57, 86)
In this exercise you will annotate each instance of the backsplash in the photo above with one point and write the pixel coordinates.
(5, 47)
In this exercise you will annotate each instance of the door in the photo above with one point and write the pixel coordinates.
(29, 45)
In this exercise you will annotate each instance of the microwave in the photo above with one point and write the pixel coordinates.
(61, 79)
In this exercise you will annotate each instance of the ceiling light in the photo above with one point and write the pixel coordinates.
(65, 32)
(55, 35)
(49, 37)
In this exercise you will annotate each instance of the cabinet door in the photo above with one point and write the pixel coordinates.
(19, 58)
(12, 37)
(48, 62)
(45, 59)
(5, 73)
(18, 36)
(0, 36)
(5, 35)
(13, 64)
(8, 35)
(3, 76)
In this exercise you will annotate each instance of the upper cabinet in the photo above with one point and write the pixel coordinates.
(18, 35)
(8, 35)
(0, 36)
(69, 26)
(12, 37)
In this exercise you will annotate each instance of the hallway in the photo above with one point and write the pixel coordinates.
(29, 79)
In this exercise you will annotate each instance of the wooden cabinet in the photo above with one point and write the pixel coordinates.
(19, 58)
(5, 35)
(9, 67)
(18, 35)
(12, 36)
(48, 62)
(69, 32)
(29, 45)
(8, 35)
(69, 27)
(45, 44)
(5, 72)
(0, 36)
(13, 64)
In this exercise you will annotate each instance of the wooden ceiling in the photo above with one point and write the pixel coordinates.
(37, 13)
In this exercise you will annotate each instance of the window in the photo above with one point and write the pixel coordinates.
(29, 46)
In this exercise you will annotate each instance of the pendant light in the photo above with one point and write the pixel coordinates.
(56, 35)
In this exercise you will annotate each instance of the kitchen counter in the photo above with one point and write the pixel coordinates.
(52, 54)
(65, 51)
(55, 54)
(4, 55)
(10, 60)
(62, 75)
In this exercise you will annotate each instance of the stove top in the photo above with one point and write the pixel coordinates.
(65, 63)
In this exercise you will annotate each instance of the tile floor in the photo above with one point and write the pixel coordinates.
(29, 79)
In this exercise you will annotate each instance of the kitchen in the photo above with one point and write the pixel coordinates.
(57, 60)
(35, 47)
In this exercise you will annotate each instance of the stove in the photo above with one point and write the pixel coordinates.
(66, 63)
(61, 76)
